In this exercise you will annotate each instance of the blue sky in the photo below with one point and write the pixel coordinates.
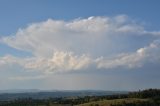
(32, 11)
(80, 44)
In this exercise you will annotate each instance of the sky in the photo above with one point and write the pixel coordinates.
(79, 44)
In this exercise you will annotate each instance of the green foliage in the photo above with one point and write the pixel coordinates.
(149, 93)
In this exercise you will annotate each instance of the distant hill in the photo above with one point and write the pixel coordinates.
(19, 90)
(41, 94)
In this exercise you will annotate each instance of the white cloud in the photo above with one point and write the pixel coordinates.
(42, 39)
(135, 59)
(63, 46)
(60, 62)
(10, 60)
(67, 61)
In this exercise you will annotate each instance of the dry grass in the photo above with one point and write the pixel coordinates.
(115, 101)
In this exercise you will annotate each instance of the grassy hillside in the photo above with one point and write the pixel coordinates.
(113, 102)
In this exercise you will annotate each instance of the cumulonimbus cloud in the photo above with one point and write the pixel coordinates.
(63, 46)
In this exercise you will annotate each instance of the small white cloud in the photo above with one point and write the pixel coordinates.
(135, 59)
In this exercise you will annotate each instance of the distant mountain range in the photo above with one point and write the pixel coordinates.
(44, 94)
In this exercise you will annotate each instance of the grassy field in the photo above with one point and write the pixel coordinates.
(109, 102)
